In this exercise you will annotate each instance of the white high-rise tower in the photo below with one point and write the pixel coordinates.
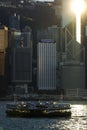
(46, 65)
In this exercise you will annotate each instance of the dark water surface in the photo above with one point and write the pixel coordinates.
(78, 120)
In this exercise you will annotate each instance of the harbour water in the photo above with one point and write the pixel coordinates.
(78, 120)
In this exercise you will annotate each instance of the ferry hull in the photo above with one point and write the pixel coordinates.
(37, 113)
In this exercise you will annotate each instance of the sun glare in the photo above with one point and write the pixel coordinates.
(78, 29)
(78, 6)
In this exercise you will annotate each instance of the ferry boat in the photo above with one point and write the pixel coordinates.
(38, 109)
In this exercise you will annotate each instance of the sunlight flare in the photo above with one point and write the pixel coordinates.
(78, 7)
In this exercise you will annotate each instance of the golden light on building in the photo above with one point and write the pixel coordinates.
(3, 38)
(3, 46)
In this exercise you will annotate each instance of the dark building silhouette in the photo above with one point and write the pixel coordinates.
(14, 22)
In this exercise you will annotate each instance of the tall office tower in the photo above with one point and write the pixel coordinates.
(14, 39)
(3, 59)
(46, 65)
(20, 39)
(22, 65)
(21, 56)
(57, 34)
(25, 39)
(52, 32)
(14, 22)
(3, 38)
(3, 47)
(57, 6)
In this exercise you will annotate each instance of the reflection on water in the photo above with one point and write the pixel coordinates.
(78, 120)
(79, 110)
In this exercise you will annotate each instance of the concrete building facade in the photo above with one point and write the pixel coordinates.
(46, 65)
(73, 76)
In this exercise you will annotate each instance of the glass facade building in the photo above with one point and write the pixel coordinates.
(21, 56)
(20, 39)
(22, 65)
(14, 22)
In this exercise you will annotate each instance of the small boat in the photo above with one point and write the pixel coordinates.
(38, 109)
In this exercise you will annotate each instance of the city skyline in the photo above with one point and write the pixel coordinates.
(67, 56)
(43, 69)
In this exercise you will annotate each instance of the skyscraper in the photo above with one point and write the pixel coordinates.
(21, 56)
(22, 65)
(3, 60)
(46, 65)
(3, 47)
(14, 22)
